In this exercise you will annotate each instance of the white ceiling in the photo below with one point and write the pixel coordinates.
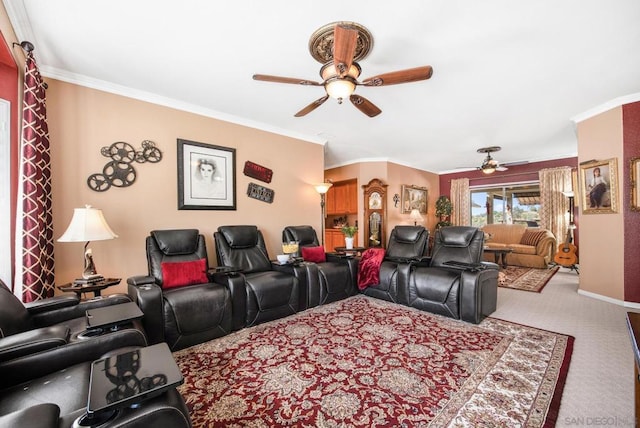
(508, 73)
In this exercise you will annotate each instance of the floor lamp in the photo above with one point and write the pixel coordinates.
(322, 189)
(571, 197)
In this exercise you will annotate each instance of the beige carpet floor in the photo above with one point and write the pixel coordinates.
(599, 390)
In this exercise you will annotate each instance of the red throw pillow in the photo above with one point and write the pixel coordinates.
(179, 274)
(314, 254)
(532, 237)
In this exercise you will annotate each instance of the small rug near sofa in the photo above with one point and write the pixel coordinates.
(364, 362)
(524, 278)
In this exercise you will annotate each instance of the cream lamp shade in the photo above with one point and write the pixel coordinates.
(88, 224)
(415, 216)
(323, 188)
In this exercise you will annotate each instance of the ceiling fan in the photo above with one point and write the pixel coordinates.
(490, 165)
(338, 46)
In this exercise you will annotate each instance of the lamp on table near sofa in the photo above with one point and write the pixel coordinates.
(88, 224)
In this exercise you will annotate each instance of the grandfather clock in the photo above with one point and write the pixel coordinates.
(375, 213)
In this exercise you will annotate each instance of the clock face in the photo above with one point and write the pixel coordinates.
(375, 201)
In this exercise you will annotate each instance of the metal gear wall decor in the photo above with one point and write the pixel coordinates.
(119, 171)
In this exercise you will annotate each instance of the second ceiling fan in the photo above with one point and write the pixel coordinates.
(339, 45)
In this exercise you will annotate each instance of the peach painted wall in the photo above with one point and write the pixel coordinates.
(602, 235)
(83, 120)
(394, 175)
(399, 175)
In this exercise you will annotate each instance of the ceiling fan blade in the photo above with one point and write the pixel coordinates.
(311, 107)
(501, 168)
(402, 76)
(278, 79)
(344, 47)
(364, 105)
(514, 163)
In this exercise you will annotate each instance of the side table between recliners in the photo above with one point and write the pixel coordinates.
(95, 288)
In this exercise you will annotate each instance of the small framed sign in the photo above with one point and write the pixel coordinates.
(260, 193)
(258, 172)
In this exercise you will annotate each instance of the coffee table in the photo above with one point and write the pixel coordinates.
(498, 253)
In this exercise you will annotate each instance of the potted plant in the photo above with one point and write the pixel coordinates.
(443, 211)
(349, 232)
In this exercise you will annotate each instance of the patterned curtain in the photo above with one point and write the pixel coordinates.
(554, 205)
(461, 201)
(37, 218)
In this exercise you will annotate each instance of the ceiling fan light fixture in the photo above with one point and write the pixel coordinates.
(488, 169)
(329, 70)
(340, 88)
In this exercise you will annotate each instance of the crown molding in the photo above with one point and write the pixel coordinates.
(101, 85)
(616, 102)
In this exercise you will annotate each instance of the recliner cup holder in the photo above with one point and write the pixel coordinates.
(88, 334)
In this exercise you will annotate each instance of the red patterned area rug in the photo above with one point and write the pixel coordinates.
(364, 362)
(524, 278)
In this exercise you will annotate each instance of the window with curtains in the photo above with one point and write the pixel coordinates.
(509, 203)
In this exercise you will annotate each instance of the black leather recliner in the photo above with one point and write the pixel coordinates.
(407, 244)
(336, 278)
(58, 398)
(185, 315)
(456, 283)
(42, 336)
(270, 292)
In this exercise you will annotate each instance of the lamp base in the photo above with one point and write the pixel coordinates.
(89, 271)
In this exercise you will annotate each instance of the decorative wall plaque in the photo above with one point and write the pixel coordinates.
(258, 172)
(260, 193)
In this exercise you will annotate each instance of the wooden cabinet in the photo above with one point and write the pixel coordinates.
(330, 201)
(342, 198)
(340, 193)
(352, 197)
(334, 238)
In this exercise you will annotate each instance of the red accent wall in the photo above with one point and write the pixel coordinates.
(631, 148)
(9, 91)
(514, 174)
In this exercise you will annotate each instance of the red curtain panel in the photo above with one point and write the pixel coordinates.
(37, 221)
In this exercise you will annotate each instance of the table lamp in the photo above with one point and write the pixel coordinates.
(415, 216)
(88, 224)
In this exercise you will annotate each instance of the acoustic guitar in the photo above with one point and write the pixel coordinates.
(566, 255)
